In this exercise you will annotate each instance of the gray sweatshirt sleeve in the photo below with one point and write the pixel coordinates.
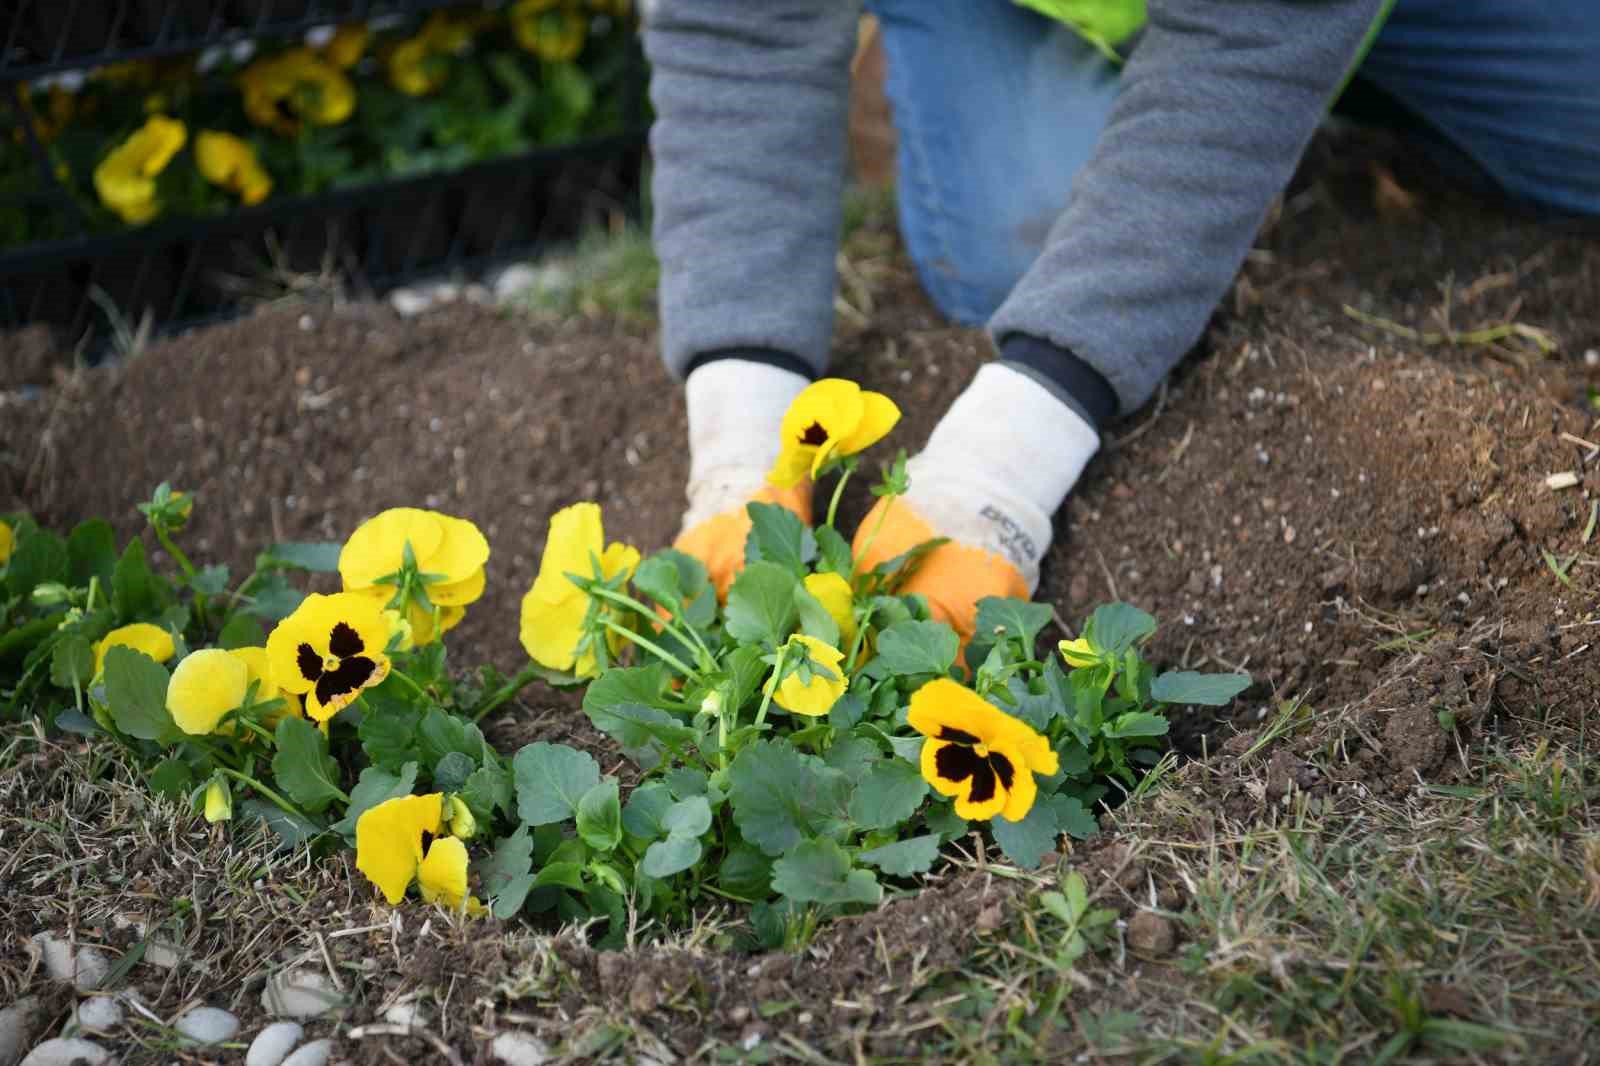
(1219, 101)
(751, 104)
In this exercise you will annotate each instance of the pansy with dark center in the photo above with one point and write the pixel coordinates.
(330, 649)
(977, 754)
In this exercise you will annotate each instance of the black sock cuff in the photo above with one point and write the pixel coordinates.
(1076, 383)
(767, 356)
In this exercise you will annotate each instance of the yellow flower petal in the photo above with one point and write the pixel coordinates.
(206, 685)
(458, 593)
(576, 536)
(973, 747)
(125, 178)
(377, 547)
(619, 560)
(980, 811)
(230, 162)
(462, 552)
(825, 410)
(1023, 791)
(792, 466)
(878, 416)
(551, 631)
(348, 43)
(442, 875)
(140, 636)
(833, 592)
(259, 668)
(389, 841)
(930, 769)
(7, 540)
(816, 697)
(330, 648)
(1078, 653)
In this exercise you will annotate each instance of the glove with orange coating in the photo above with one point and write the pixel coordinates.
(996, 468)
(735, 410)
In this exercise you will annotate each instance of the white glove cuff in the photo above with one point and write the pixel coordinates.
(736, 409)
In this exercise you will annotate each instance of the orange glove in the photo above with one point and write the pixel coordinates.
(718, 542)
(952, 577)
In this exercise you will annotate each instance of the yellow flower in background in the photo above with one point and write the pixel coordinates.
(614, 8)
(402, 840)
(295, 86)
(219, 801)
(833, 592)
(977, 753)
(450, 554)
(418, 65)
(140, 636)
(330, 649)
(225, 160)
(348, 44)
(7, 542)
(259, 670)
(1078, 653)
(555, 35)
(206, 685)
(554, 609)
(125, 178)
(831, 418)
(816, 696)
(60, 107)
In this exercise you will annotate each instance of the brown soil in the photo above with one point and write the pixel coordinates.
(1358, 517)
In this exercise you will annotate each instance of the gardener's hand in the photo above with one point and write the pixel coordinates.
(735, 410)
(996, 468)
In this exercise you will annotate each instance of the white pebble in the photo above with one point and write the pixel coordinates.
(86, 969)
(300, 994)
(512, 281)
(520, 1049)
(273, 1044)
(408, 303)
(208, 1025)
(17, 1025)
(99, 1013)
(313, 1054)
(67, 1051)
(412, 1015)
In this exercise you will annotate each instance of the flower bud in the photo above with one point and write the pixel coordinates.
(712, 704)
(219, 801)
(463, 825)
(50, 594)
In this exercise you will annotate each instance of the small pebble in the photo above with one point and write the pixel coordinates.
(413, 1015)
(1151, 934)
(520, 1049)
(17, 1025)
(408, 303)
(299, 994)
(67, 1051)
(208, 1025)
(86, 968)
(512, 281)
(99, 1014)
(313, 1054)
(273, 1044)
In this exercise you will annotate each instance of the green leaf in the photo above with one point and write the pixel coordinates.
(761, 606)
(40, 556)
(440, 733)
(889, 794)
(242, 631)
(1037, 709)
(943, 821)
(136, 690)
(388, 733)
(670, 856)
(72, 663)
(647, 806)
(745, 872)
(746, 672)
(211, 580)
(689, 817)
(833, 552)
(508, 873)
(780, 796)
(374, 787)
(551, 781)
(1000, 617)
(1027, 841)
(489, 789)
(1135, 724)
(1113, 628)
(1073, 817)
(135, 593)
(910, 648)
(450, 773)
(303, 769)
(599, 816)
(91, 553)
(321, 557)
(562, 875)
(1189, 686)
(905, 857)
(273, 599)
(815, 621)
(672, 577)
(171, 778)
(642, 731)
(853, 756)
(818, 871)
(907, 748)
(686, 782)
(291, 830)
(778, 536)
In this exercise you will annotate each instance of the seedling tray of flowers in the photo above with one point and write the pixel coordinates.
(383, 149)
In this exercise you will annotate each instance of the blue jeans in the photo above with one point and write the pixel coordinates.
(997, 107)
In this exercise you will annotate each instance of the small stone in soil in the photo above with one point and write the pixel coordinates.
(1151, 934)
(67, 1051)
(207, 1025)
(99, 1013)
(17, 1024)
(519, 1049)
(273, 1044)
(299, 994)
(313, 1054)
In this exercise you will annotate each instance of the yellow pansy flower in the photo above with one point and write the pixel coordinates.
(417, 66)
(554, 35)
(977, 753)
(7, 542)
(330, 649)
(553, 610)
(817, 696)
(833, 592)
(125, 178)
(831, 418)
(402, 840)
(347, 45)
(206, 685)
(259, 670)
(231, 163)
(140, 636)
(219, 801)
(1078, 653)
(283, 90)
(449, 552)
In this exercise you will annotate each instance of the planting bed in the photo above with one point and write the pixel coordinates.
(1358, 517)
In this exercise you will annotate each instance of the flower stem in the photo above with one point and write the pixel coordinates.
(410, 681)
(653, 648)
(279, 801)
(505, 692)
(877, 527)
(187, 567)
(771, 686)
(838, 491)
(667, 625)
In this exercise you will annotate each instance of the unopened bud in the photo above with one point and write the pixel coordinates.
(50, 594)
(712, 704)
(219, 801)
(463, 825)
